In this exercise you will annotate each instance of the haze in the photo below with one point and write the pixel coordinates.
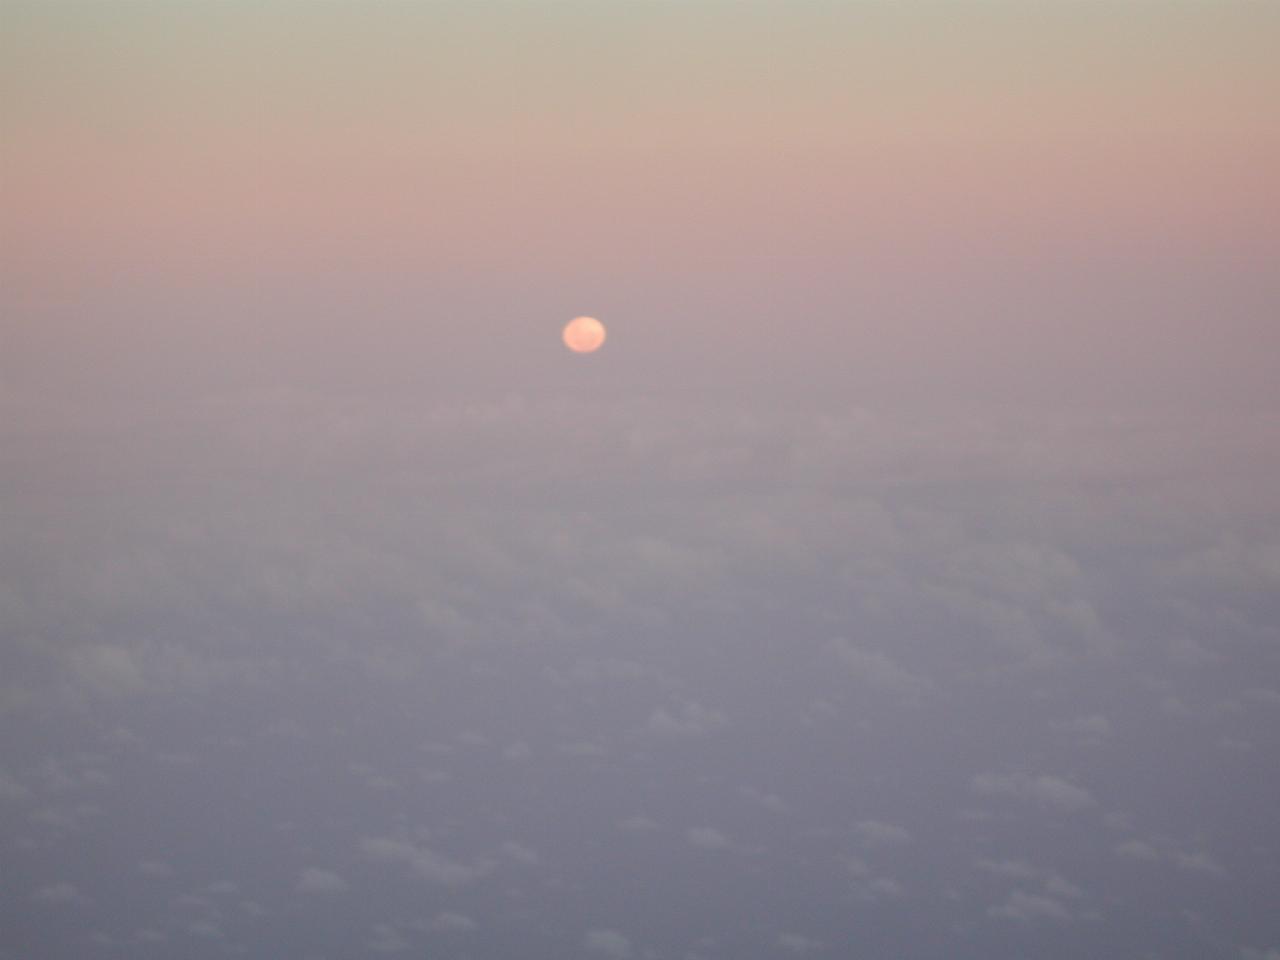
(902, 579)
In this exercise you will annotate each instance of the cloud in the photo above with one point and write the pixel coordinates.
(1137, 850)
(769, 801)
(66, 816)
(1028, 907)
(449, 922)
(519, 852)
(875, 833)
(318, 881)
(1059, 886)
(513, 557)
(1091, 726)
(1015, 869)
(518, 751)
(603, 670)
(707, 838)
(1048, 791)
(195, 901)
(12, 789)
(1054, 884)
(607, 943)
(205, 928)
(423, 861)
(582, 748)
(878, 670)
(61, 892)
(867, 886)
(637, 824)
(385, 938)
(107, 668)
(798, 943)
(687, 720)
(1262, 695)
(1199, 862)
(877, 888)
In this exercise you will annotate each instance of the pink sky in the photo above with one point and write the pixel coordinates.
(867, 166)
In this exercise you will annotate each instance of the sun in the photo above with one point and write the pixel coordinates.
(583, 334)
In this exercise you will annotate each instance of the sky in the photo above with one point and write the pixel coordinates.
(900, 579)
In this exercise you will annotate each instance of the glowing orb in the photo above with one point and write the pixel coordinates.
(583, 334)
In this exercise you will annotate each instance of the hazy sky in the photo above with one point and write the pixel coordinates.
(901, 579)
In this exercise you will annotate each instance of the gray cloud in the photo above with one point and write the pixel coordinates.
(707, 838)
(798, 943)
(319, 881)
(685, 720)
(1030, 907)
(558, 670)
(385, 938)
(451, 922)
(1047, 790)
(55, 893)
(876, 833)
(423, 862)
(608, 943)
